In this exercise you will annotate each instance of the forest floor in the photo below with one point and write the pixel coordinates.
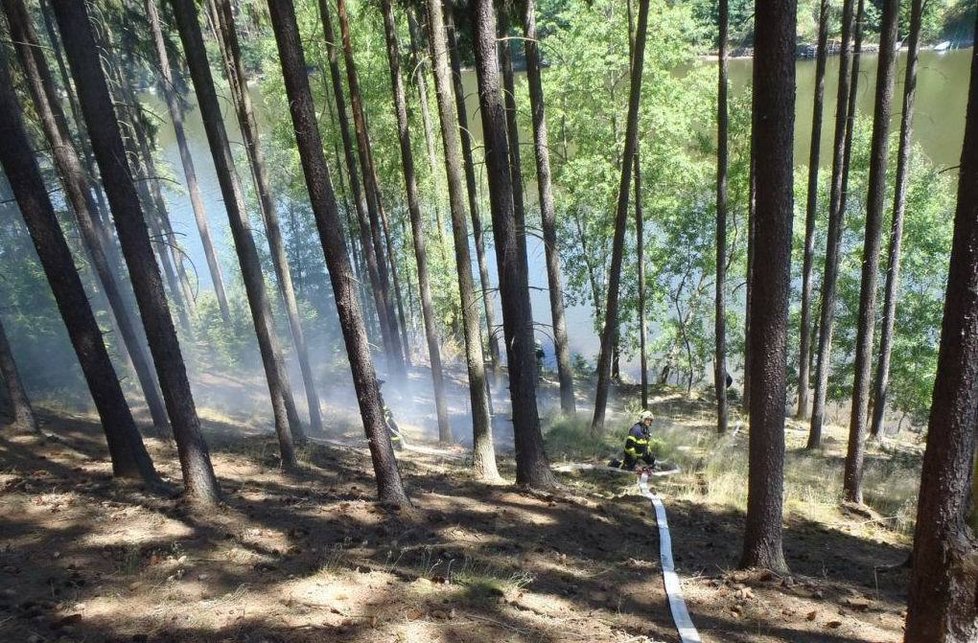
(309, 557)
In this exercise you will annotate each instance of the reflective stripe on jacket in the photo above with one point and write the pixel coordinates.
(637, 442)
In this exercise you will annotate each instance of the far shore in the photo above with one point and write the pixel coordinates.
(806, 51)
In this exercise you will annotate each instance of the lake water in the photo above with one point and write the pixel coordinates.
(938, 127)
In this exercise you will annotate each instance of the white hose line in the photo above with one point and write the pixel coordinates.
(680, 615)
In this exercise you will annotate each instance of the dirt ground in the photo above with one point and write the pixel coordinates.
(309, 557)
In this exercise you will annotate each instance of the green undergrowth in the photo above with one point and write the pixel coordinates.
(713, 469)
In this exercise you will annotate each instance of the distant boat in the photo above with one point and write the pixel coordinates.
(944, 46)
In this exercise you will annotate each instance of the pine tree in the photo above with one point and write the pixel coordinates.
(287, 429)
(532, 466)
(168, 89)
(249, 132)
(610, 326)
(548, 219)
(390, 489)
(856, 453)
(483, 451)
(126, 449)
(417, 225)
(943, 593)
(772, 133)
(96, 104)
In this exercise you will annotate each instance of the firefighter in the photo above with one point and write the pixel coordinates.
(637, 444)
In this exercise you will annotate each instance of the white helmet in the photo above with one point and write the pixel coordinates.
(646, 415)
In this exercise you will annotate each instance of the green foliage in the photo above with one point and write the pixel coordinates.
(588, 42)
(926, 247)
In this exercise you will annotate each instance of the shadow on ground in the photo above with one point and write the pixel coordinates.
(308, 556)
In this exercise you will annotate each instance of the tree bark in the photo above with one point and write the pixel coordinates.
(147, 186)
(896, 228)
(621, 214)
(357, 190)
(811, 212)
(640, 252)
(92, 171)
(166, 84)
(512, 126)
(943, 596)
(402, 320)
(394, 357)
(532, 466)
(126, 449)
(719, 322)
(771, 137)
(389, 486)
(483, 451)
(748, 292)
(886, 70)
(414, 31)
(96, 104)
(548, 219)
(212, 115)
(76, 186)
(143, 158)
(269, 211)
(417, 224)
(20, 405)
(352, 228)
(834, 235)
(478, 232)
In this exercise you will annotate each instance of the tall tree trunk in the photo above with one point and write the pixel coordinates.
(811, 212)
(896, 229)
(621, 214)
(640, 252)
(269, 211)
(748, 289)
(96, 104)
(886, 70)
(389, 486)
(512, 127)
(719, 322)
(166, 83)
(371, 189)
(414, 31)
(417, 224)
(120, 58)
(20, 405)
(771, 135)
(834, 234)
(352, 228)
(89, 159)
(402, 320)
(478, 233)
(483, 452)
(211, 113)
(168, 240)
(126, 449)
(532, 466)
(943, 596)
(357, 190)
(144, 171)
(548, 219)
(75, 181)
